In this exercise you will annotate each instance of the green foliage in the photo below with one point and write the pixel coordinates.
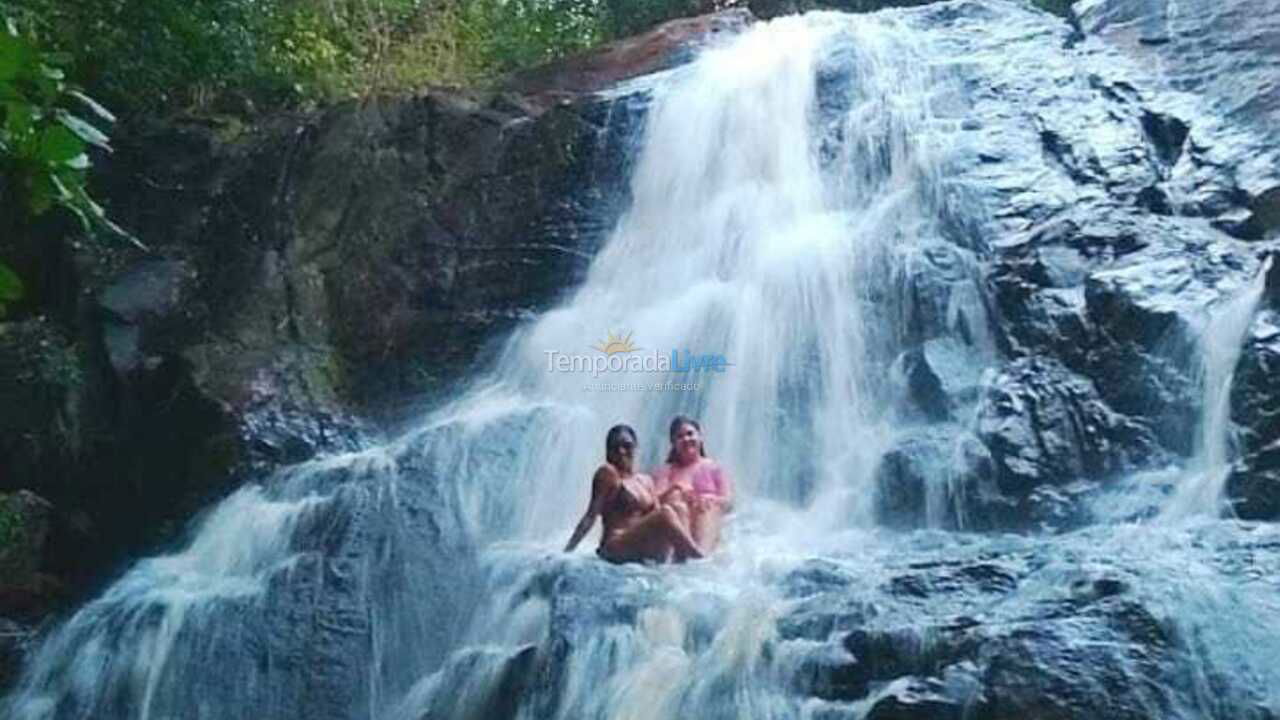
(522, 33)
(44, 141)
(157, 55)
(622, 18)
(148, 54)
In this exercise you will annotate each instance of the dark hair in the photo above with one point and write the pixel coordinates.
(676, 422)
(615, 435)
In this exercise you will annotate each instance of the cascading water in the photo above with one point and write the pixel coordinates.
(790, 204)
(1221, 343)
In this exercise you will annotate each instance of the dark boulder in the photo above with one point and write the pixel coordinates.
(941, 477)
(15, 640)
(1254, 484)
(672, 43)
(1047, 425)
(941, 379)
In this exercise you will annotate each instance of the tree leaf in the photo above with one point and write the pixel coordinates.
(13, 50)
(59, 145)
(93, 105)
(87, 132)
(10, 285)
(18, 119)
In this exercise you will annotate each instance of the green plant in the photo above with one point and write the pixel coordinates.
(44, 141)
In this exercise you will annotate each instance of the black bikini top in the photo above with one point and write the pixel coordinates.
(626, 501)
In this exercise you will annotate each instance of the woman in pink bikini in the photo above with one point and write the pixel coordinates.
(694, 485)
(637, 528)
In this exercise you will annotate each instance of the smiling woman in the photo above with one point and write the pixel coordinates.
(695, 482)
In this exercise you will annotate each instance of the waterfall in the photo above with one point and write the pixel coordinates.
(791, 240)
(1221, 343)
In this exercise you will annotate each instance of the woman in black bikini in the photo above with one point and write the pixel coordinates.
(636, 527)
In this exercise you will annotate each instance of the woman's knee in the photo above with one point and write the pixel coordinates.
(669, 516)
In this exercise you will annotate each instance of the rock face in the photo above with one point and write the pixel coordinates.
(670, 44)
(26, 591)
(1112, 193)
(1254, 483)
(14, 639)
(25, 525)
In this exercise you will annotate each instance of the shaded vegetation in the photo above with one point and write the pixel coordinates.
(241, 55)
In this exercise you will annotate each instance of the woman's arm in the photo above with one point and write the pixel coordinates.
(601, 484)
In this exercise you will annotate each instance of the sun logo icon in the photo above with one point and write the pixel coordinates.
(614, 344)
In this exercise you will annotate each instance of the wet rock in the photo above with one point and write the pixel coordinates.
(942, 378)
(1254, 484)
(1087, 649)
(1043, 670)
(1047, 425)
(1194, 45)
(917, 699)
(1150, 311)
(15, 640)
(672, 43)
(487, 686)
(924, 388)
(942, 477)
(141, 307)
(374, 567)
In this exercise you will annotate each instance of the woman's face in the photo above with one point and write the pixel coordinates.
(687, 442)
(622, 453)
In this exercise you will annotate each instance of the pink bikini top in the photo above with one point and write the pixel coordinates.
(707, 479)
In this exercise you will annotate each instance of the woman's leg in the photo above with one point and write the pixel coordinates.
(655, 537)
(678, 500)
(704, 526)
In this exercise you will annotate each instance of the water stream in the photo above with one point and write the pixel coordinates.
(1221, 343)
